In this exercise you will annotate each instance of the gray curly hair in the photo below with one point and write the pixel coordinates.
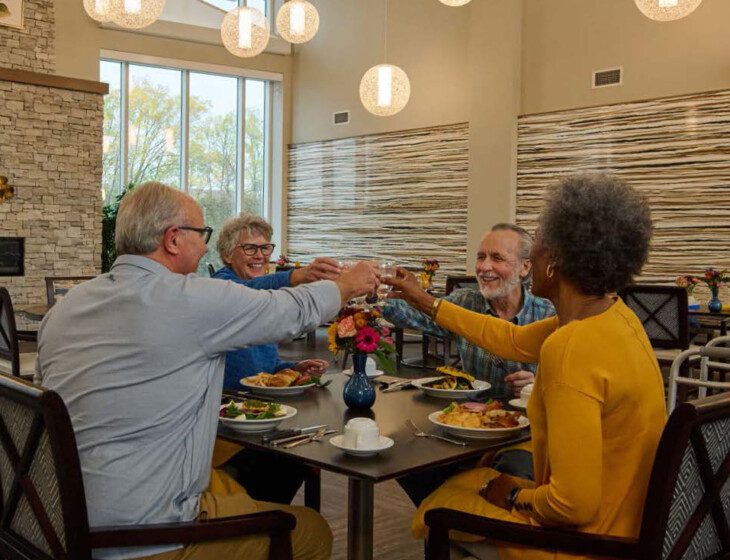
(231, 230)
(598, 230)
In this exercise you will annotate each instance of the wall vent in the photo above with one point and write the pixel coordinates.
(608, 77)
(341, 117)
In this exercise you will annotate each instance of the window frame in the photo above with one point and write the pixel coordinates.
(273, 127)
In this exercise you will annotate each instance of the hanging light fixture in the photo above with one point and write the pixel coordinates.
(385, 88)
(667, 10)
(135, 14)
(297, 21)
(455, 2)
(99, 10)
(245, 31)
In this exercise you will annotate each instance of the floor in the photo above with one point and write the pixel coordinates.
(393, 510)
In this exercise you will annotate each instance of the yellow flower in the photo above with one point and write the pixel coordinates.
(360, 320)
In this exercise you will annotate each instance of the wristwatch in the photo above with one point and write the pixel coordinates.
(512, 497)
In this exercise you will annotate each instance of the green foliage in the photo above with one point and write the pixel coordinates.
(108, 225)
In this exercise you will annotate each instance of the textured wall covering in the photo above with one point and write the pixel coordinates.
(399, 195)
(31, 48)
(675, 150)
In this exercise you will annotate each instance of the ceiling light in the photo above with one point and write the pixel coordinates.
(245, 31)
(667, 10)
(385, 90)
(135, 14)
(99, 10)
(455, 2)
(297, 21)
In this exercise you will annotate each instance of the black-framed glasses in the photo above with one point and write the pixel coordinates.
(205, 232)
(251, 249)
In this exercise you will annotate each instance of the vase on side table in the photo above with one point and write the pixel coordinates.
(715, 305)
(359, 391)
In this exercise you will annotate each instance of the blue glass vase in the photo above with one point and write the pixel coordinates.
(715, 305)
(359, 391)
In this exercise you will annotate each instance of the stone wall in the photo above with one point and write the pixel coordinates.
(50, 150)
(31, 48)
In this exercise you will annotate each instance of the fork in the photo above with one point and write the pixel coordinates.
(418, 433)
(314, 437)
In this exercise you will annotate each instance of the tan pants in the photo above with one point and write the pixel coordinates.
(311, 539)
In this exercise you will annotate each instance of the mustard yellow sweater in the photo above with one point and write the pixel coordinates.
(596, 413)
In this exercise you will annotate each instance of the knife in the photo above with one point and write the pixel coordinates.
(397, 386)
(286, 434)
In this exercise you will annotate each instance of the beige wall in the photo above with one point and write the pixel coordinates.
(566, 40)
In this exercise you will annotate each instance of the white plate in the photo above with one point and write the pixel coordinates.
(277, 391)
(451, 394)
(480, 433)
(256, 426)
(373, 375)
(517, 403)
(385, 443)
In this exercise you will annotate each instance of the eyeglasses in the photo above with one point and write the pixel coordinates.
(250, 249)
(204, 232)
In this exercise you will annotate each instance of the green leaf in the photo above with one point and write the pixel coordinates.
(385, 363)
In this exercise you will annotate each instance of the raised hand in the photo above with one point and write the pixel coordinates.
(406, 286)
(359, 280)
(321, 268)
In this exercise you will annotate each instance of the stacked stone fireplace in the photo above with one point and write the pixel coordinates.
(51, 153)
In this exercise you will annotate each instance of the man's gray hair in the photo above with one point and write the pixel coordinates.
(231, 230)
(525, 244)
(144, 214)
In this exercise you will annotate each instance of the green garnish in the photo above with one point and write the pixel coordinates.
(232, 411)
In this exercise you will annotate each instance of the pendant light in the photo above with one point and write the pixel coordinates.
(99, 10)
(385, 88)
(245, 31)
(297, 21)
(667, 10)
(135, 14)
(455, 2)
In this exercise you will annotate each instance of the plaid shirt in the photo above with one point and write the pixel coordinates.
(474, 359)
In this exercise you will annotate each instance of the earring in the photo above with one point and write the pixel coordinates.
(550, 270)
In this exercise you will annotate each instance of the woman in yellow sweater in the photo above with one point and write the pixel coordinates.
(597, 409)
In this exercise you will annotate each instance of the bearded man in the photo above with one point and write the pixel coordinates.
(503, 274)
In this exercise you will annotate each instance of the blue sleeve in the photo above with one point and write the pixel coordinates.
(266, 282)
(398, 312)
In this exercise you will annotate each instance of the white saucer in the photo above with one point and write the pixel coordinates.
(373, 375)
(385, 443)
(517, 403)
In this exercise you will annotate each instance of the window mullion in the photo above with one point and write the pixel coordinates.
(266, 201)
(124, 127)
(185, 132)
(241, 145)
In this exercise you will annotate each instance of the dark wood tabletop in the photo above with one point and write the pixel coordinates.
(408, 455)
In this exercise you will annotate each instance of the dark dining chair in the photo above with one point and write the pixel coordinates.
(12, 360)
(43, 506)
(686, 512)
(58, 286)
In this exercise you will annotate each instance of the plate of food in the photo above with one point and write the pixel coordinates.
(451, 384)
(284, 383)
(479, 420)
(254, 416)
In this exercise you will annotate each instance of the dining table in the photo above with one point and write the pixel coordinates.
(712, 319)
(409, 454)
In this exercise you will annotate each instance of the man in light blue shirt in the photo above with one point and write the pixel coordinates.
(138, 357)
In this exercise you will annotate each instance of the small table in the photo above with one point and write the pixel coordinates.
(718, 319)
(410, 454)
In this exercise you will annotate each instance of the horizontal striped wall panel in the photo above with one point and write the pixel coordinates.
(399, 195)
(675, 150)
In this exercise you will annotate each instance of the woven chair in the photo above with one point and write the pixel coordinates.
(686, 513)
(58, 286)
(12, 361)
(714, 357)
(43, 507)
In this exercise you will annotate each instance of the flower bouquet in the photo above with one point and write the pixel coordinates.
(430, 266)
(283, 260)
(687, 282)
(362, 331)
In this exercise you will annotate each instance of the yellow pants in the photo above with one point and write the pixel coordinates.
(311, 539)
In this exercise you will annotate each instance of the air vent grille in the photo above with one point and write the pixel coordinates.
(608, 77)
(341, 117)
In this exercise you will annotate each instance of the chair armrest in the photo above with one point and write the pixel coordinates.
(441, 520)
(268, 522)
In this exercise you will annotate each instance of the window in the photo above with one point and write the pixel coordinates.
(206, 133)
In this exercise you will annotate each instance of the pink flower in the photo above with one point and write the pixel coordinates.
(346, 327)
(385, 331)
(388, 340)
(367, 340)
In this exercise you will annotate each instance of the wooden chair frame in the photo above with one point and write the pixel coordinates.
(50, 415)
(674, 296)
(682, 430)
(51, 280)
(12, 335)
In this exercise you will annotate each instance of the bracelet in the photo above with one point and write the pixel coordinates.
(512, 498)
(435, 307)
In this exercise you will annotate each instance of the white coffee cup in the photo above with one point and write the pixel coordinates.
(525, 393)
(361, 433)
(370, 368)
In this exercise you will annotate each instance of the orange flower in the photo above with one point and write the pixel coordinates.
(346, 327)
(360, 320)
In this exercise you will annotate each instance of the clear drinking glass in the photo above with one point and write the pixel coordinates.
(387, 270)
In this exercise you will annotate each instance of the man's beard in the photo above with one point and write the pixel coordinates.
(505, 288)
